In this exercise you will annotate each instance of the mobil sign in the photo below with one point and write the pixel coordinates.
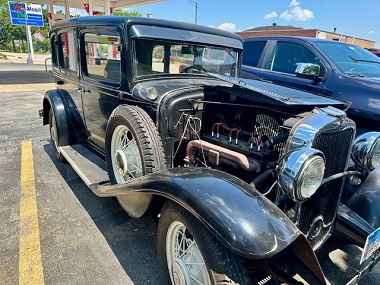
(26, 14)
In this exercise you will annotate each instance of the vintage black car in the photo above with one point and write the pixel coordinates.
(244, 177)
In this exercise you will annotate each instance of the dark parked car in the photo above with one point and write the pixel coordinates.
(331, 68)
(243, 176)
(375, 51)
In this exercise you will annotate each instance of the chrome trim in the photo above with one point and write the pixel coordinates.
(291, 168)
(322, 120)
(362, 150)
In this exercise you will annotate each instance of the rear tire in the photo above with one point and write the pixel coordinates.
(190, 254)
(54, 136)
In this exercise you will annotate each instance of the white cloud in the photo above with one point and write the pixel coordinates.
(371, 32)
(296, 13)
(271, 15)
(231, 27)
(294, 3)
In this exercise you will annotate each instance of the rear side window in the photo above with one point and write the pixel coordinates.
(252, 52)
(54, 52)
(67, 51)
(102, 55)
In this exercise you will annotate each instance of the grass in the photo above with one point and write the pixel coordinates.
(3, 56)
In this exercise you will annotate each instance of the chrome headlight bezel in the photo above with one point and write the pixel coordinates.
(295, 166)
(366, 151)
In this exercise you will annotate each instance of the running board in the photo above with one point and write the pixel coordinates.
(90, 168)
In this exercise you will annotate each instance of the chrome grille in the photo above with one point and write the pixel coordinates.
(323, 204)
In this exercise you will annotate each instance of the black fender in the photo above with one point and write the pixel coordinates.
(359, 214)
(366, 200)
(241, 218)
(63, 107)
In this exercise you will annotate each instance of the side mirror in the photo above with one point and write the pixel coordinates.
(308, 70)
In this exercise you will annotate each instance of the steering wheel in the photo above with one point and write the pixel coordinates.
(191, 68)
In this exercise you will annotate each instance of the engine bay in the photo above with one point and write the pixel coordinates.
(231, 134)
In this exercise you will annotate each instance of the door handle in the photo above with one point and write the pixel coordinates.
(80, 89)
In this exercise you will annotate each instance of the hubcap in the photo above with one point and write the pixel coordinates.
(180, 273)
(121, 163)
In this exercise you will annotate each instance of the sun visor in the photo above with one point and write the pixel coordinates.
(151, 32)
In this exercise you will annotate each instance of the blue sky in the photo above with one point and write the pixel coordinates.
(356, 18)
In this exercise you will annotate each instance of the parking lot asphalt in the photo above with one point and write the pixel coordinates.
(83, 239)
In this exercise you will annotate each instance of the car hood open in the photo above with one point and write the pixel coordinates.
(284, 95)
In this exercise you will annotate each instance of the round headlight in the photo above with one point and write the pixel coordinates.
(145, 91)
(366, 151)
(310, 177)
(374, 160)
(152, 93)
(301, 173)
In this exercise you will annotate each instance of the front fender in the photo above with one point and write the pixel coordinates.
(366, 200)
(241, 218)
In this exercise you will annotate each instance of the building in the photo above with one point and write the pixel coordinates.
(276, 30)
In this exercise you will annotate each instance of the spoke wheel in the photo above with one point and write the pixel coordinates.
(190, 255)
(185, 257)
(133, 148)
(126, 162)
(54, 138)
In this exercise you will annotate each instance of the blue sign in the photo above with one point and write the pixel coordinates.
(26, 14)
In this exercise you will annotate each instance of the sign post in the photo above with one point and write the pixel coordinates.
(26, 15)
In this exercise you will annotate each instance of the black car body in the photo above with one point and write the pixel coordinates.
(245, 176)
(344, 71)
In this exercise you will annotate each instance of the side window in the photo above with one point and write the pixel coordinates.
(287, 55)
(252, 52)
(102, 55)
(54, 51)
(67, 52)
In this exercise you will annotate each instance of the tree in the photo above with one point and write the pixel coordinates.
(126, 13)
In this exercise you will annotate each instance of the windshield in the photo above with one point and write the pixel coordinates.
(152, 57)
(351, 59)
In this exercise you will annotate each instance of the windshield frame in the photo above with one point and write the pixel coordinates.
(163, 57)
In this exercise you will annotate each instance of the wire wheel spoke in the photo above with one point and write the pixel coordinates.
(186, 250)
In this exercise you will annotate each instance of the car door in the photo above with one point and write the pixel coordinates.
(66, 72)
(100, 83)
(279, 61)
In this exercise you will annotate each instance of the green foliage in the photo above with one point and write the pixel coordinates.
(9, 32)
(126, 13)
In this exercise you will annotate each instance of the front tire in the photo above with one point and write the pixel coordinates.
(189, 254)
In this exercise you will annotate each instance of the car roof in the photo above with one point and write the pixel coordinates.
(305, 39)
(96, 20)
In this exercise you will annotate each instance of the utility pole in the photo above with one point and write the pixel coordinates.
(195, 4)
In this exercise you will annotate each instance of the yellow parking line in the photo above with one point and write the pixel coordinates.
(30, 263)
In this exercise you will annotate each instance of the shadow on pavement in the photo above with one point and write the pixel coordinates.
(25, 77)
(133, 241)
